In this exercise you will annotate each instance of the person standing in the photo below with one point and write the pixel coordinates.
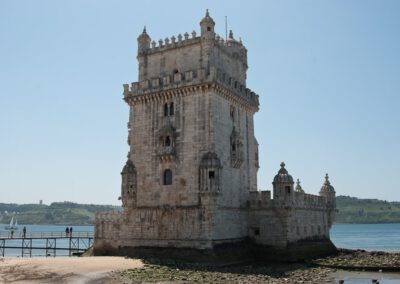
(70, 232)
(66, 231)
(24, 232)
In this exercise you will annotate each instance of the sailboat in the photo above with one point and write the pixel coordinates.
(13, 224)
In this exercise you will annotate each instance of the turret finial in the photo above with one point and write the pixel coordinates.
(298, 182)
(144, 30)
(230, 34)
(327, 182)
(207, 14)
(282, 164)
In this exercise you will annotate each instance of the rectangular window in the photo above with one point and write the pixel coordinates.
(211, 174)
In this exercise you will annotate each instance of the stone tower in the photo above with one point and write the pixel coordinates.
(190, 181)
(193, 155)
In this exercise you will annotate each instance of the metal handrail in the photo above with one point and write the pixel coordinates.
(41, 235)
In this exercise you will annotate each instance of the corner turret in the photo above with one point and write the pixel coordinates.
(328, 191)
(128, 185)
(207, 25)
(143, 42)
(283, 185)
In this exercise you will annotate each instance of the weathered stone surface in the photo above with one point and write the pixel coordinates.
(191, 176)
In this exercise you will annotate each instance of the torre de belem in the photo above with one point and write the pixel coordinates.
(189, 185)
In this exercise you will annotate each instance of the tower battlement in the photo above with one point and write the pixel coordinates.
(190, 179)
(183, 83)
(192, 52)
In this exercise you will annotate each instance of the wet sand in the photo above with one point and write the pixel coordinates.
(64, 269)
(113, 270)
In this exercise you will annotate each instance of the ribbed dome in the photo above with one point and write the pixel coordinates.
(283, 176)
(210, 160)
(128, 168)
(144, 34)
(207, 19)
(298, 187)
(327, 187)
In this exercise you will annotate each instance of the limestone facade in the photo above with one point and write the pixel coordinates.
(190, 180)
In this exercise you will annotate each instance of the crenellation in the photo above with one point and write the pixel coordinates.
(189, 78)
(190, 179)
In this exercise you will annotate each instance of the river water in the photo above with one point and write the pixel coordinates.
(370, 237)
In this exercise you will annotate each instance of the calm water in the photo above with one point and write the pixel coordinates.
(383, 237)
(62, 243)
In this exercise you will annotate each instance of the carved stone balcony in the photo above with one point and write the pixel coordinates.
(166, 153)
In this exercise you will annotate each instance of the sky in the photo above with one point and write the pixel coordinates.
(326, 72)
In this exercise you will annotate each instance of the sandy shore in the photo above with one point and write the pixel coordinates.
(63, 269)
(363, 267)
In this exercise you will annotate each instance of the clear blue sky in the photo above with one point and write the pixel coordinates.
(327, 73)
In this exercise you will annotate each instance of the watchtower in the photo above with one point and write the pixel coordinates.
(191, 135)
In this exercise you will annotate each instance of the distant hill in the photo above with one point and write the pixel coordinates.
(350, 210)
(57, 213)
(354, 210)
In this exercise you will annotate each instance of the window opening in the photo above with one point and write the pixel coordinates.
(167, 177)
(287, 189)
(167, 141)
(211, 174)
(171, 109)
(166, 110)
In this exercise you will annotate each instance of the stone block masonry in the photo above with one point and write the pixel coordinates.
(190, 181)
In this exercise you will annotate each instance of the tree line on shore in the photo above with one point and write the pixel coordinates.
(349, 210)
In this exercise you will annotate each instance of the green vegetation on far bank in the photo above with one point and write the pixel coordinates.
(57, 213)
(349, 210)
(355, 210)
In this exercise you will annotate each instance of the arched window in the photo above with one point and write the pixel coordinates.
(233, 147)
(171, 109)
(167, 177)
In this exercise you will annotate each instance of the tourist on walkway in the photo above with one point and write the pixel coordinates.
(66, 231)
(24, 232)
(70, 232)
(12, 233)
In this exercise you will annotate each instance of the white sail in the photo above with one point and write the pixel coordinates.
(12, 221)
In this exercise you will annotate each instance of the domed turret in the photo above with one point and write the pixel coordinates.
(298, 187)
(143, 41)
(128, 186)
(327, 188)
(207, 25)
(128, 168)
(283, 184)
(329, 193)
(283, 176)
